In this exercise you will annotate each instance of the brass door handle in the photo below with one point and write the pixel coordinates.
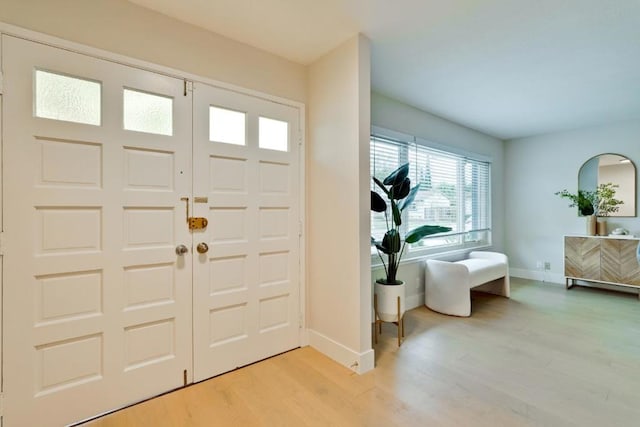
(202, 248)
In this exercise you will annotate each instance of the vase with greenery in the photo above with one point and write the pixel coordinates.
(584, 200)
(399, 194)
(601, 202)
(593, 204)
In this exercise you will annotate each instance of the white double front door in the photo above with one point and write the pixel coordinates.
(101, 163)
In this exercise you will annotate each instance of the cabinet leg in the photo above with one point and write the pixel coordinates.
(569, 283)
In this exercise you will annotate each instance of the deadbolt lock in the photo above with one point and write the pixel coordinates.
(197, 223)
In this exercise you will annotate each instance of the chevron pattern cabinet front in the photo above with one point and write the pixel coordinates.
(618, 261)
(582, 257)
(602, 259)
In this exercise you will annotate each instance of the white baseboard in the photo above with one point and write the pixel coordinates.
(541, 276)
(557, 279)
(413, 301)
(357, 362)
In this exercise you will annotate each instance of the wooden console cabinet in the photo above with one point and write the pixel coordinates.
(602, 259)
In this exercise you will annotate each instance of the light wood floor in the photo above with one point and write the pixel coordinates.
(546, 357)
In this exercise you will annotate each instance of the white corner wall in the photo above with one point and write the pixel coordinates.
(338, 228)
(394, 115)
(539, 166)
(122, 27)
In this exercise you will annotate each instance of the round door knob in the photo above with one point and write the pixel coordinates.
(202, 248)
(181, 250)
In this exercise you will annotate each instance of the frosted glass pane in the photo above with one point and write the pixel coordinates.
(67, 98)
(226, 126)
(273, 134)
(144, 112)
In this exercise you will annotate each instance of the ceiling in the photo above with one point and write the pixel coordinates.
(508, 68)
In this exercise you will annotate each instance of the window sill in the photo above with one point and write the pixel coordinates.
(453, 254)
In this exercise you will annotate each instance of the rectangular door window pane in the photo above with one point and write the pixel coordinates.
(66, 98)
(145, 112)
(226, 126)
(273, 134)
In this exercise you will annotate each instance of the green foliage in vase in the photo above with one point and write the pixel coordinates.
(601, 202)
(400, 195)
(607, 203)
(584, 200)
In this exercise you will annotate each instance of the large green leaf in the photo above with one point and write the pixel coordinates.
(410, 197)
(419, 233)
(401, 190)
(397, 176)
(377, 202)
(391, 241)
(381, 185)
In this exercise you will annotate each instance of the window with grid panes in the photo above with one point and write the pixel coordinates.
(454, 192)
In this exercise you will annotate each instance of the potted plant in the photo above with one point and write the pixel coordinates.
(592, 204)
(397, 189)
(584, 200)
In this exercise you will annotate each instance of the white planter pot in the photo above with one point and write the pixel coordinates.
(387, 296)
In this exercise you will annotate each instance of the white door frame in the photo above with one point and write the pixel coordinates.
(37, 37)
(1, 230)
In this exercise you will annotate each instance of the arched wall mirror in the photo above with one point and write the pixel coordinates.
(615, 169)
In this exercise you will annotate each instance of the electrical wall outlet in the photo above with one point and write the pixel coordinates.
(547, 265)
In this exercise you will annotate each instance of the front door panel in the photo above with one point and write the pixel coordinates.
(97, 305)
(246, 287)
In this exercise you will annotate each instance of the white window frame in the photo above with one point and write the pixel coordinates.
(413, 253)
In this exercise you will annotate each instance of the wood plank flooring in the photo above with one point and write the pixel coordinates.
(546, 357)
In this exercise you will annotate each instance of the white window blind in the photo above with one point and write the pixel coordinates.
(454, 192)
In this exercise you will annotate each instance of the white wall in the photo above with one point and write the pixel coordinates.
(394, 115)
(537, 167)
(338, 260)
(122, 27)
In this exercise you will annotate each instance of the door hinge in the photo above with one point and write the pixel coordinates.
(1, 82)
(1, 243)
(300, 320)
(300, 138)
(1, 404)
(299, 228)
(188, 87)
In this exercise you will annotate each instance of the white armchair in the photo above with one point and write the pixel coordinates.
(447, 284)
